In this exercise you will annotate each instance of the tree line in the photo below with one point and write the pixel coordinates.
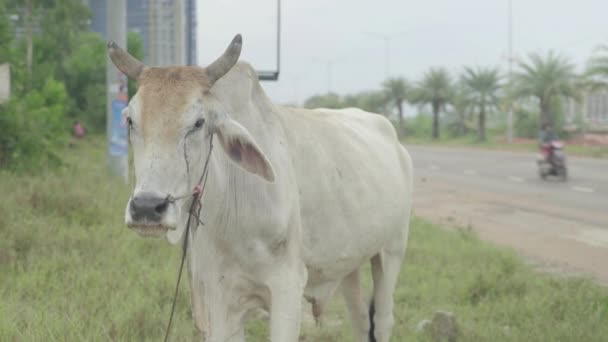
(535, 92)
(58, 71)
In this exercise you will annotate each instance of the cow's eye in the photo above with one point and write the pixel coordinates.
(129, 121)
(199, 123)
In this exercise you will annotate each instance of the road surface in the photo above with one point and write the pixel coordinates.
(499, 195)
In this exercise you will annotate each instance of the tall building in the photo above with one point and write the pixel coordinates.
(592, 110)
(167, 28)
(191, 32)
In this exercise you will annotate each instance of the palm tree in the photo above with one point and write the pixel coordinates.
(434, 89)
(545, 78)
(461, 106)
(396, 90)
(597, 68)
(482, 86)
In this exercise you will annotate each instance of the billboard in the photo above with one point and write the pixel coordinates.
(5, 82)
(119, 143)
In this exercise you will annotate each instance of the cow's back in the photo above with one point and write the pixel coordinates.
(354, 181)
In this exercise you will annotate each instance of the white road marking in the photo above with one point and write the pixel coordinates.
(582, 189)
(470, 172)
(516, 179)
(592, 237)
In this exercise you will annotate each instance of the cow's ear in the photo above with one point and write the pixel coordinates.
(243, 150)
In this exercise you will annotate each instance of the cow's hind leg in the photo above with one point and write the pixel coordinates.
(385, 272)
(351, 290)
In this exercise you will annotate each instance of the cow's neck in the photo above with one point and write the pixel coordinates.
(229, 196)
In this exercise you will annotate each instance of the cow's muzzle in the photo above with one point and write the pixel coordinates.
(150, 214)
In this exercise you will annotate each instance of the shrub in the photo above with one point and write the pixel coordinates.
(419, 126)
(31, 128)
(526, 124)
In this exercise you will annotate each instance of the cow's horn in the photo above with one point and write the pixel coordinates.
(220, 66)
(126, 63)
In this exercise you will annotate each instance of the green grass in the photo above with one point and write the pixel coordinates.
(497, 143)
(71, 271)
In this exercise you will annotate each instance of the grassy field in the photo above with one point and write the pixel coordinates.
(496, 142)
(71, 271)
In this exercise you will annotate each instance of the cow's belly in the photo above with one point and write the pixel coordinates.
(332, 252)
(346, 224)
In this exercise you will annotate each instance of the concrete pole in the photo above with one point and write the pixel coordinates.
(510, 43)
(330, 66)
(117, 93)
(387, 53)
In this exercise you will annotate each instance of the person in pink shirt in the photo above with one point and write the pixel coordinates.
(78, 129)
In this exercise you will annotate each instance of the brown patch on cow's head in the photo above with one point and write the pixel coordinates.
(164, 94)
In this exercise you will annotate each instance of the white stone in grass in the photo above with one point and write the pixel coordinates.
(423, 325)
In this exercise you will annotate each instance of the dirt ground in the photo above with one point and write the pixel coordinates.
(556, 238)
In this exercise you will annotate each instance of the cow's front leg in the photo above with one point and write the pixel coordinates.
(286, 292)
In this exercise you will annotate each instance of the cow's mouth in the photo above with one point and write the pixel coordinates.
(149, 230)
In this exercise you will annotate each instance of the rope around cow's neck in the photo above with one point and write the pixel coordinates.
(195, 211)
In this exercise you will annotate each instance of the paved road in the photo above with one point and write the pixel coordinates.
(501, 196)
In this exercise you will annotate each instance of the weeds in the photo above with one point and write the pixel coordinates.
(71, 271)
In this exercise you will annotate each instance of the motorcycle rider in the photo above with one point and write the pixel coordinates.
(546, 137)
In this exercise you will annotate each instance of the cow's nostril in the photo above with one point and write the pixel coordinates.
(161, 208)
(148, 207)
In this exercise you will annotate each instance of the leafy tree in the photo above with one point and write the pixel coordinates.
(61, 25)
(461, 106)
(435, 89)
(6, 34)
(482, 86)
(25, 11)
(84, 75)
(54, 53)
(545, 78)
(396, 90)
(50, 32)
(135, 46)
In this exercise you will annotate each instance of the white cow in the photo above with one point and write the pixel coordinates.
(296, 201)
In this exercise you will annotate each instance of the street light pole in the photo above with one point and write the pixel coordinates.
(330, 66)
(387, 42)
(386, 38)
(117, 93)
(510, 47)
(329, 69)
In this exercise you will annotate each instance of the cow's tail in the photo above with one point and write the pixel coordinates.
(372, 312)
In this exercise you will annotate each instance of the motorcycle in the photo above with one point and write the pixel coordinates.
(552, 160)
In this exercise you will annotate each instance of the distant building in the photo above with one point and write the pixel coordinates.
(592, 111)
(167, 28)
(191, 32)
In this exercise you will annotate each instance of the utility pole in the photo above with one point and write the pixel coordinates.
(117, 92)
(330, 66)
(510, 48)
(386, 38)
(387, 42)
(329, 69)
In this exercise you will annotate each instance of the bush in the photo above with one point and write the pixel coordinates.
(526, 124)
(419, 126)
(33, 127)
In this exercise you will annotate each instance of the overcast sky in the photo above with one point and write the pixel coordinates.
(428, 33)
